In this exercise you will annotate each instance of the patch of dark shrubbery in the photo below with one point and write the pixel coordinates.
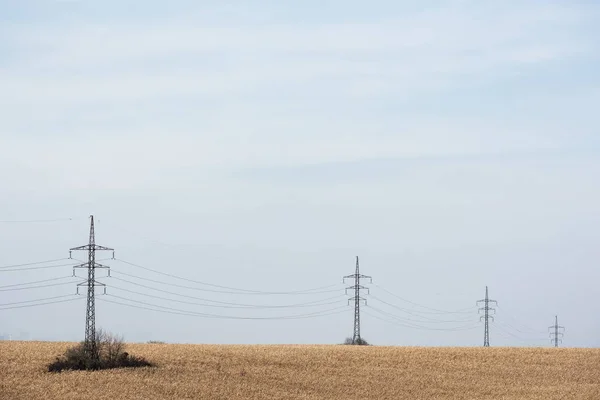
(109, 352)
(357, 342)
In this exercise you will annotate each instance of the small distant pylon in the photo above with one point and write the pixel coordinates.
(557, 332)
(357, 287)
(90, 342)
(486, 316)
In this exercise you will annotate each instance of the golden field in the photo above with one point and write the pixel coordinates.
(233, 372)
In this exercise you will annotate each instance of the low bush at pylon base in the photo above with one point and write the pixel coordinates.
(358, 342)
(110, 353)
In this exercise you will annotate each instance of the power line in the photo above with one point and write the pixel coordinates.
(309, 304)
(36, 300)
(32, 268)
(36, 287)
(401, 322)
(42, 304)
(505, 330)
(486, 309)
(433, 310)
(183, 295)
(223, 292)
(7, 221)
(429, 319)
(515, 328)
(232, 290)
(33, 263)
(216, 316)
(520, 323)
(34, 282)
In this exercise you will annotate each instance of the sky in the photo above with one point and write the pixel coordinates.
(261, 146)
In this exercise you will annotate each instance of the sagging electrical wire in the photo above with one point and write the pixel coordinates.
(34, 282)
(231, 289)
(523, 340)
(468, 310)
(234, 305)
(172, 310)
(17, 266)
(29, 221)
(36, 300)
(501, 321)
(532, 331)
(401, 322)
(221, 291)
(425, 319)
(36, 287)
(43, 304)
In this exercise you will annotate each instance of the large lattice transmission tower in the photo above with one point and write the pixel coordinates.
(91, 345)
(556, 332)
(488, 311)
(357, 287)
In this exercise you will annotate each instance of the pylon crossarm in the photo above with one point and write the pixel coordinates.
(98, 247)
(84, 247)
(95, 283)
(83, 283)
(359, 300)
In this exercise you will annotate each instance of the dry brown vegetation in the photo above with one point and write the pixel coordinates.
(308, 372)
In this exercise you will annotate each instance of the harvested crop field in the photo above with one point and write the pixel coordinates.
(308, 372)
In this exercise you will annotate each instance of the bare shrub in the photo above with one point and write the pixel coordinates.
(110, 353)
(111, 347)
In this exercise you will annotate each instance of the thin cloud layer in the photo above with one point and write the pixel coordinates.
(447, 139)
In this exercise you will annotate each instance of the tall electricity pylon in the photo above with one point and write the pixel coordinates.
(91, 345)
(486, 316)
(356, 339)
(556, 335)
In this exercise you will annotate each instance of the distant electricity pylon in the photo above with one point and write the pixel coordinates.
(356, 339)
(556, 335)
(486, 316)
(91, 265)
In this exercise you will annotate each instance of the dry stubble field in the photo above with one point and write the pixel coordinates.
(308, 372)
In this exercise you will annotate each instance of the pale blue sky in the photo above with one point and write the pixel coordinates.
(264, 144)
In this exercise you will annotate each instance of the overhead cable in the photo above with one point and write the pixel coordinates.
(225, 292)
(172, 310)
(232, 289)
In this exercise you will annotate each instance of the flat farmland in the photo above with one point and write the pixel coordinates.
(308, 372)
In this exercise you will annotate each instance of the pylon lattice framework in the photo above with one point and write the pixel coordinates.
(90, 342)
(558, 332)
(357, 287)
(486, 316)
